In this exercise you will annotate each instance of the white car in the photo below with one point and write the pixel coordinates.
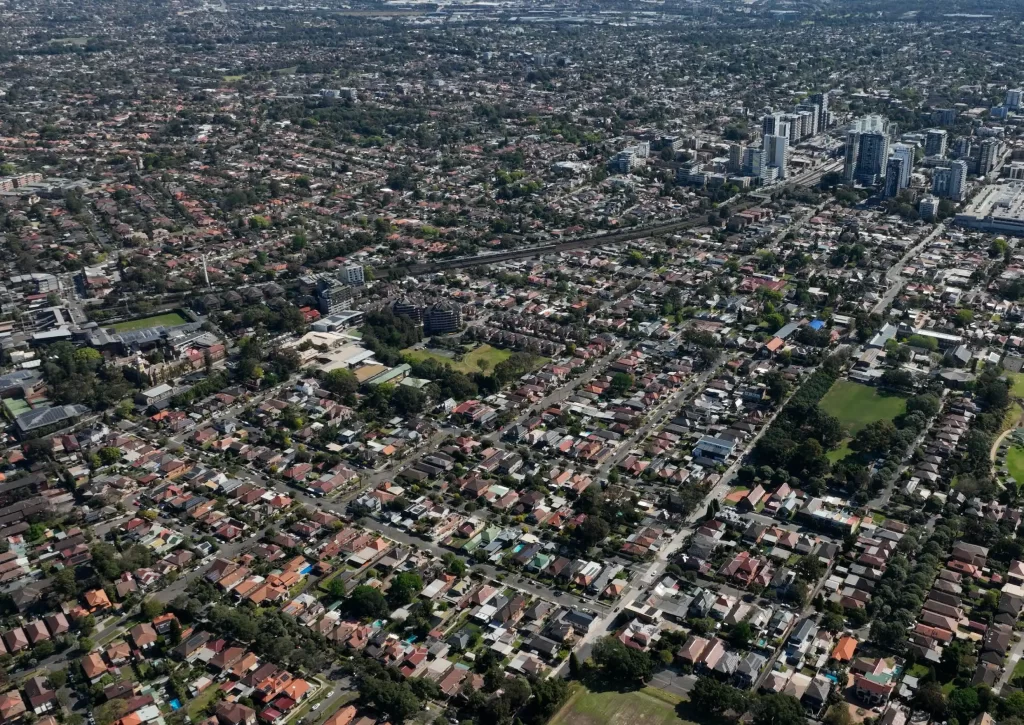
(316, 707)
(330, 694)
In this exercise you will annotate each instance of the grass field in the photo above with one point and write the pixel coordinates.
(1017, 379)
(838, 454)
(195, 706)
(649, 706)
(1015, 464)
(468, 364)
(857, 405)
(169, 319)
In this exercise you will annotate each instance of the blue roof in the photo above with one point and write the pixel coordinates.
(817, 324)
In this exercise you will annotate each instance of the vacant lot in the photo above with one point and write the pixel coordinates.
(645, 707)
(470, 361)
(857, 405)
(169, 319)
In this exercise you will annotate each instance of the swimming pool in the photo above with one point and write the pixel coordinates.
(305, 570)
(175, 704)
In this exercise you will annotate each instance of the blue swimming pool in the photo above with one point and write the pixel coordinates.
(175, 704)
(306, 569)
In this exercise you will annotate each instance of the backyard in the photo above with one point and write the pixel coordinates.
(648, 706)
(169, 319)
(470, 363)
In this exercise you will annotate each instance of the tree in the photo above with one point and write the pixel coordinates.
(394, 698)
(342, 383)
(741, 634)
(621, 663)
(454, 564)
(408, 401)
(574, 666)
(963, 704)
(110, 711)
(779, 710)
(364, 602)
(109, 455)
(838, 714)
(592, 531)
(714, 697)
(151, 609)
(64, 583)
(1013, 704)
(57, 679)
(621, 383)
(833, 622)
(404, 588)
(930, 699)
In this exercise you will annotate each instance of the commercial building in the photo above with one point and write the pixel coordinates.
(1013, 98)
(996, 208)
(867, 150)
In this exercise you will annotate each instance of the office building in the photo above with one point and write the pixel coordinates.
(990, 154)
(905, 152)
(442, 318)
(929, 208)
(353, 274)
(1013, 98)
(944, 116)
(895, 167)
(867, 150)
(776, 154)
(935, 142)
(821, 101)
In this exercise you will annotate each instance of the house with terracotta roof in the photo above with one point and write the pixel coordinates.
(96, 600)
(844, 649)
(94, 667)
(143, 635)
(12, 707)
(15, 640)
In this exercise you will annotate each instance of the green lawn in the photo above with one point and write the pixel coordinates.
(649, 706)
(196, 705)
(469, 363)
(169, 319)
(838, 454)
(857, 405)
(1015, 463)
(1017, 379)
